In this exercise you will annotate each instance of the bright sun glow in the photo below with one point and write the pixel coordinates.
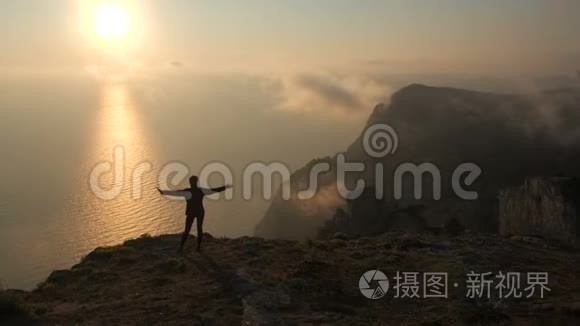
(111, 22)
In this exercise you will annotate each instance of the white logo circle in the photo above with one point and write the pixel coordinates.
(365, 287)
(380, 140)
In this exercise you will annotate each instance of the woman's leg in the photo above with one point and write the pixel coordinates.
(188, 224)
(199, 230)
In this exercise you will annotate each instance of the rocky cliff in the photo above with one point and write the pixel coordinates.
(509, 136)
(542, 207)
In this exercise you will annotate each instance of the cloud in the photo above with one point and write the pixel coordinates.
(335, 92)
(176, 64)
(348, 93)
(329, 91)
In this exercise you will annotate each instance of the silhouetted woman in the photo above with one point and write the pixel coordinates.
(194, 196)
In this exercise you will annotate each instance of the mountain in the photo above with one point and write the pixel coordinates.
(509, 136)
(252, 281)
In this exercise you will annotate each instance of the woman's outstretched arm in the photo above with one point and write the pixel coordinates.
(176, 193)
(214, 190)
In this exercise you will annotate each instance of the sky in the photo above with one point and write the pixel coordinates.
(340, 36)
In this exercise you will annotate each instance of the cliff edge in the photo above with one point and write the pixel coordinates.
(252, 281)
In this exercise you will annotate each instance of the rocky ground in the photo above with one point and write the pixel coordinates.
(252, 281)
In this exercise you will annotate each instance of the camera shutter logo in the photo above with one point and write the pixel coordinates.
(364, 284)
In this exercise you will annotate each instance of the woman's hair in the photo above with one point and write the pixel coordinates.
(193, 180)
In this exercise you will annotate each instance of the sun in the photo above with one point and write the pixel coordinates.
(111, 21)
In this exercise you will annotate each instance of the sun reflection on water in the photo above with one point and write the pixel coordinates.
(99, 222)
